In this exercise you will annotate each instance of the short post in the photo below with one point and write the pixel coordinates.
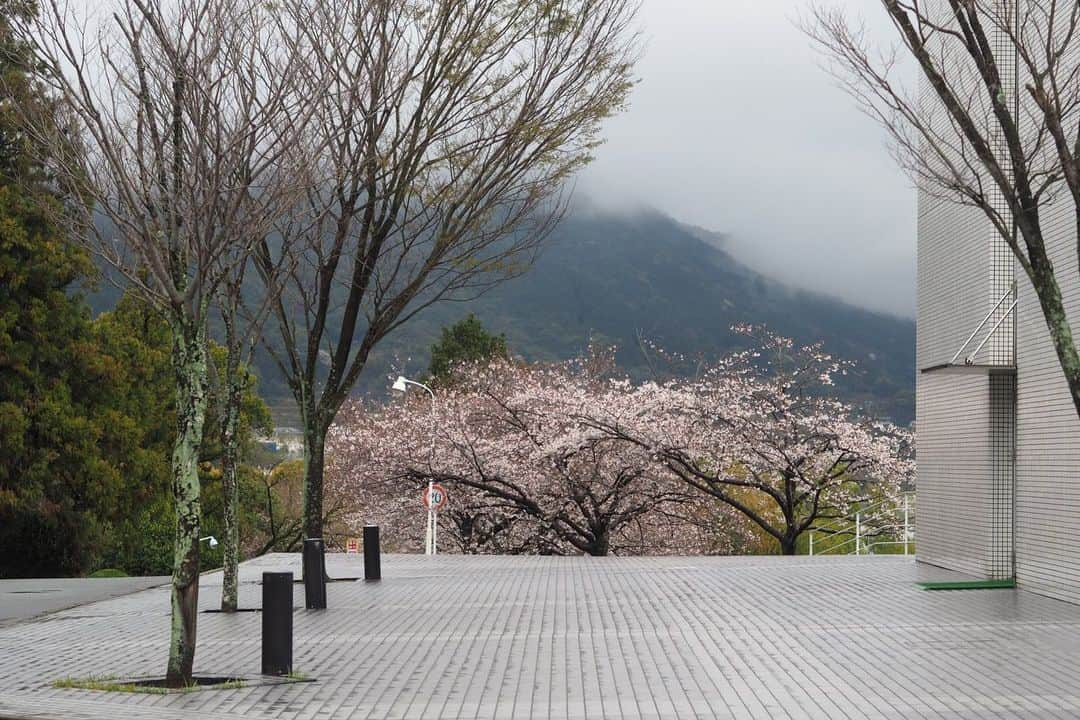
(277, 596)
(907, 528)
(314, 574)
(372, 563)
(811, 542)
(858, 534)
(429, 543)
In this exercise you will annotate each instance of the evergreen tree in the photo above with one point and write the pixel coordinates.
(466, 341)
(54, 481)
(135, 338)
(87, 407)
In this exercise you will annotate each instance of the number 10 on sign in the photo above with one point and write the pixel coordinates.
(434, 500)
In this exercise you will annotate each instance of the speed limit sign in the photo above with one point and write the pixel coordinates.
(435, 496)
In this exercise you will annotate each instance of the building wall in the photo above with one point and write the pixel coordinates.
(963, 523)
(975, 496)
(965, 267)
(1048, 433)
(953, 277)
(965, 422)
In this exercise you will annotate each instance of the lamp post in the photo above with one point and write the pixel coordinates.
(430, 548)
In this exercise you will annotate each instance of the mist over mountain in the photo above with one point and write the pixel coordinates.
(620, 276)
(616, 277)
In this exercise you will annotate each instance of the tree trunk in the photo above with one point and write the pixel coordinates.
(788, 543)
(230, 455)
(189, 361)
(314, 459)
(601, 546)
(1057, 322)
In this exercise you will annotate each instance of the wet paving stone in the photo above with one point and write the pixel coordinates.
(529, 637)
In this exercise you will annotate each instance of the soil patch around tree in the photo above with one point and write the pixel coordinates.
(156, 685)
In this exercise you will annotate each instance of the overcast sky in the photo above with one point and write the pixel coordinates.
(736, 128)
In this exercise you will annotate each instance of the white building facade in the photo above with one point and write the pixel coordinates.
(998, 436)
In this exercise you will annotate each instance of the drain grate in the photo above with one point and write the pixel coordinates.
(31, 592)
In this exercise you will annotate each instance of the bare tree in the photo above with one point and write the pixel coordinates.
(244, 309)
(450, 129)
(1003, 132)
(242, 324)
(186, 124)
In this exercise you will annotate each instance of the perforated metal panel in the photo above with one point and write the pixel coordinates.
(1002, 451)
(966, 432)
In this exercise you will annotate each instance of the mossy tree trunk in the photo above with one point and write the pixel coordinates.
(1052, 303)
(189, 360)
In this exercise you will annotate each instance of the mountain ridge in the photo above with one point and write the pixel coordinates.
(616, 277)
(622, 276)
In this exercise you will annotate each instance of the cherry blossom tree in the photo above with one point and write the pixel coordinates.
(576, 458)
(526, 474)
(759, 432)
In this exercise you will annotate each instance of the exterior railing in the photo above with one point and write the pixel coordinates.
(882, 524)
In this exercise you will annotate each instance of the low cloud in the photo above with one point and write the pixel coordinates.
(735, 127)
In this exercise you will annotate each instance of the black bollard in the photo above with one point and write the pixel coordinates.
(277, 592)
(314, 574)
(372, 563)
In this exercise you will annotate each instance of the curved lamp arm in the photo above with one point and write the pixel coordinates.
(402, 384)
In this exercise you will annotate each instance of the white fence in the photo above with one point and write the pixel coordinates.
(883, 524)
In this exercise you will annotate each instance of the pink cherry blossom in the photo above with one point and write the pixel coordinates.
(575, 458)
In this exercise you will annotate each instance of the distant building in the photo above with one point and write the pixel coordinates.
(998, 437)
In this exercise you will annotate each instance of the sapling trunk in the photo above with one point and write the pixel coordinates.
(230, 459)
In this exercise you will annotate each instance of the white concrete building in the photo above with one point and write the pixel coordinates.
(998, 437)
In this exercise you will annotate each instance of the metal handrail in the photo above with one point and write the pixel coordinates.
(971, 358)
(1010, 291)
(908, 497)
(859, 537)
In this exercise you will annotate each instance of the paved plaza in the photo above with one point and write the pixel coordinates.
(529, 637)
(23, 599)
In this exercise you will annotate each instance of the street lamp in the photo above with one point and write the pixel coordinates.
(212, 541)
(431, 536)
(402, 384)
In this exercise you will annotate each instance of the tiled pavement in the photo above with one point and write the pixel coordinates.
(485, 637)
(23, 599)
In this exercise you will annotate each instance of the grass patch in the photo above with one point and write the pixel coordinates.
(969, 585)
(108, 573)
(109, 683)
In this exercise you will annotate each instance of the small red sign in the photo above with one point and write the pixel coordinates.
(435, 497)
(352, 545)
